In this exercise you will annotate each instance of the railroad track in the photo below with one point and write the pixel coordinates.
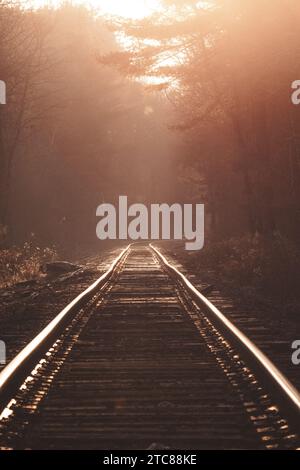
(142, 360)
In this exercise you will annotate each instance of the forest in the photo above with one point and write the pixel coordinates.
(192, 104)
(72, 130)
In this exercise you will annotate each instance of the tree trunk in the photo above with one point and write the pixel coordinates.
(264, 167)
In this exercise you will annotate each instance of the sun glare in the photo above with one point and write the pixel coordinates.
(127, 8)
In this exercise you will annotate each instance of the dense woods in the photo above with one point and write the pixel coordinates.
(227, 66)
(74, 133)
(192, 104)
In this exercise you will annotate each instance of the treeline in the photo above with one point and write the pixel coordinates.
(74, 133)
(227, 66)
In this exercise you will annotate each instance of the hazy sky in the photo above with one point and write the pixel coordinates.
(127, 8)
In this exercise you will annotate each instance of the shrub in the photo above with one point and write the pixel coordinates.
(22, 263)
(269, 264)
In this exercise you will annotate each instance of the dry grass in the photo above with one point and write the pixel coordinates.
(23, 263)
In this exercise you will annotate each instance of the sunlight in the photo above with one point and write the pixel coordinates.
(130, 8)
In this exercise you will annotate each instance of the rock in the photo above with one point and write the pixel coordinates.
(57, 268)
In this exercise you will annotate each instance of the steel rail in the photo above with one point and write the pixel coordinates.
(12, 376)
(288, 396)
